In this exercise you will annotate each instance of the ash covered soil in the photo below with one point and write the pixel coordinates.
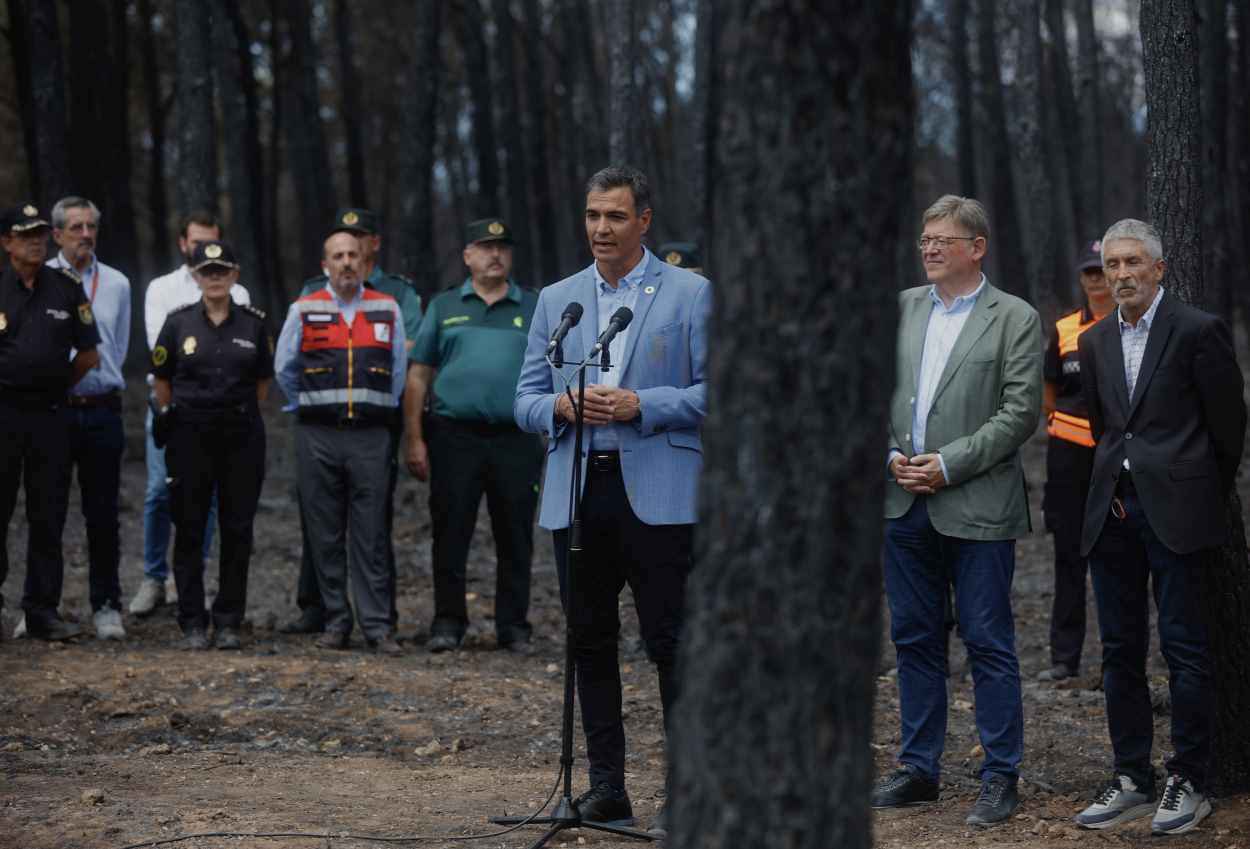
(107, 744)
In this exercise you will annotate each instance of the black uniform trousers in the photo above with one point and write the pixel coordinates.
(468, 459)
(35, 448)
(225, 452)
(97, 440)
(307, 593)
(1068, 470)
(655, 560)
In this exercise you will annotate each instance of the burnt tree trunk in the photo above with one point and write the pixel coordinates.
(469, 22)
(547, 255)
(961, 77)
(46, 118)
(1006, 247)
(757, 667)
(353, 114)
(1089, 118)
(196, 180)
(706, 110)
(417, 258)
(1169, 31)
(88, 77)
(516, 204)
(122, 239)
(1214, 72)
(155, 106)
(624, 117)
(1241, 147)
(1063, 105)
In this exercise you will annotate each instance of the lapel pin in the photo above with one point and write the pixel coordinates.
(650, 290)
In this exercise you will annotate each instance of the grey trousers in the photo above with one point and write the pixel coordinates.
(343, 477)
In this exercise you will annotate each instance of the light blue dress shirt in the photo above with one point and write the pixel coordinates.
(286, 364)
(609, 299)
(1133, 344)
(109, 293)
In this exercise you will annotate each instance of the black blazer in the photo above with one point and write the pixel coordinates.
(1182, 431)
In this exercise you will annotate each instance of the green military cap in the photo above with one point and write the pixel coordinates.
(22, 218)
(682, 255)
(487, 230)
(353, 219)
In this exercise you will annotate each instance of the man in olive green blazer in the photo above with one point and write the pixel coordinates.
(968, 394)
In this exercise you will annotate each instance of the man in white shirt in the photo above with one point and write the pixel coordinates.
(165, 294)
(97, 437)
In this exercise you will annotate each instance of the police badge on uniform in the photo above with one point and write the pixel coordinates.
(84, 314)
(382, 331)
(188, 346)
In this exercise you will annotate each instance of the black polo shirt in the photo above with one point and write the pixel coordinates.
(214, 366)
(39, 328)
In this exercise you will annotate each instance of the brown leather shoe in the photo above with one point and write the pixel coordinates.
(333, 640)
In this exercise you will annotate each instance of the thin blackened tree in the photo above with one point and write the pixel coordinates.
(196, 179)
(469, 22)
(1090, 117)
(706, 113)
(547, 255)
(1029, 119)
(353, 114)
(416, 172)
(1214, 73)
(961, 76)
(156, 108)
(624, 103)
(35, 33)
(1174, 197)
(812, 149)
(516, 204)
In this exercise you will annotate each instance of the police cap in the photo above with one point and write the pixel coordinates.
(354, 219)
(22, 219)
(681, 254)
(487, 230)
(213, 253)
(1091, 256)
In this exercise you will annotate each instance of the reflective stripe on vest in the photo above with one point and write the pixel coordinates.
(1070, 429)
(343, 396)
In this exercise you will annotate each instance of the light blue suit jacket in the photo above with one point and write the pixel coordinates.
(665, 362)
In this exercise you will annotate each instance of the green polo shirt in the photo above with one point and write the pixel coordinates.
(477, 349)
(388, 284)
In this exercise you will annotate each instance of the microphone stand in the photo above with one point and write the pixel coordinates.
(565, 815)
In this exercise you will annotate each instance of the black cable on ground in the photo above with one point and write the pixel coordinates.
(369, 838)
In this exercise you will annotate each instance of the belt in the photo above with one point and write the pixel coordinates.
(603, 461)
(108, 400)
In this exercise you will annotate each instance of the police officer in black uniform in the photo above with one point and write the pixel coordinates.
(44, 317)
(213, 364)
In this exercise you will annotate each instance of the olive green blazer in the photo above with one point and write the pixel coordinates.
(988, 403)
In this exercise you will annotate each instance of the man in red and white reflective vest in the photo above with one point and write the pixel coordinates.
(341, 362)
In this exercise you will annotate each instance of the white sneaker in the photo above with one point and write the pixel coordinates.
(20, 631)
(171, 590)
(1181, 808)
(151, 594)
(1118, 802)
(108, 624)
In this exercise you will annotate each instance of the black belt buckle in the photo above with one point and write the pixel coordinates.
(604, 461)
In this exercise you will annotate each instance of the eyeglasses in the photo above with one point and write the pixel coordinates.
(941, 242)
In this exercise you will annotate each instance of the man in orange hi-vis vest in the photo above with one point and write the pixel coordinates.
(1069, 463)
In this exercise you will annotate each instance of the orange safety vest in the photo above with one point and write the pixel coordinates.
(1064, 425)
(346, 368)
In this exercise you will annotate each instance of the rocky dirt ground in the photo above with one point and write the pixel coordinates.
(106, 745)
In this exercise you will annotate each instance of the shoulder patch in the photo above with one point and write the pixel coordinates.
(256, 311)
(69, 273)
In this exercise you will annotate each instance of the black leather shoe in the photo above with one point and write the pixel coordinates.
(333, 640)
(905, 786)
(444, 642)
(998, 800)
(386, 645)
(1058, 672)
(194, 640)
(605, 804)
(53, 630)
(305, 623)
(518, 645)
(227, 638)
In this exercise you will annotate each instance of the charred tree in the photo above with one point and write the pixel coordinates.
(1063, 107)
(1216, 178)
(961, 76)
(706, 109)
(1007, 244)
(196, 179)
(89, 76)
(37, 39)
(155, 108)
(1174, 196)
(1089, 118)
(416, 172)
(516, 204)
(547, 255)
(757, 668)
(353, 114)
(469, 21)
(624, 103)
(1241, 147)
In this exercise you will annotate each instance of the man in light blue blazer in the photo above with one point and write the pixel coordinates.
(642, 455)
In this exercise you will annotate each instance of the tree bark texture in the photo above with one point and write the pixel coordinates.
(547, 253)
(1216, 175)
(783, 633)
(624, 138)
(706, 109)
(470, 20)
(1063, 103)
(353, 114)
(1090, 116)
(50, 157)
(155, 109)
(307, 154)
(1241, 152)
(89, 74)
(516, 204)
(961, 76)
(196, 179)
(417, 258)
(1006, 243)
(1169, 30)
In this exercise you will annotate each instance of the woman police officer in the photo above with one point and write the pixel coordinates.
(213, 363)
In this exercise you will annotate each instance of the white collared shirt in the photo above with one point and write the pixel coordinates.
(176, 289)
(109, 293)
(945, 325)
(608, 299)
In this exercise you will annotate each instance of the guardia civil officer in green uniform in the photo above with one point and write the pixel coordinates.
(212, 366)
(687, 255)
(363, 224)
(469, 348)
(45, 316)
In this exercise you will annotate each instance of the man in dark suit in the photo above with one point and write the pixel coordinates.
(1166, 408)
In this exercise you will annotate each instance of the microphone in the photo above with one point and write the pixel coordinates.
(572, 315)
(618, 322)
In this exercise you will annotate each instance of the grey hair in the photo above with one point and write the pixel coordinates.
(1131, 228)
(615, 176)
(72, 202)
(968, 213)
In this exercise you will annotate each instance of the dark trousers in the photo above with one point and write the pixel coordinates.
(229, 456)
(343, 481)
(1125, 559)
(308, 594)
(655, 560)
(97, 440)
(919, 561)
(35, 446)
(466, 460)
(1068, 470)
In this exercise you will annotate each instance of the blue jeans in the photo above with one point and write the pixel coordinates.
(1125, 559)
(156, 515)
(97, 439)
(919, 562)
